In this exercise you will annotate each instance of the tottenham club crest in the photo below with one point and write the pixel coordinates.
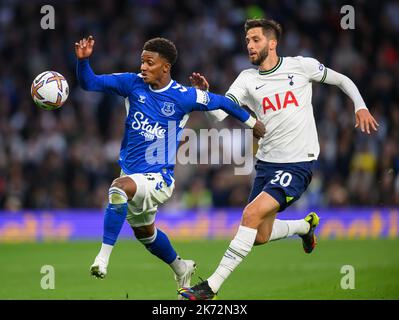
(290, 77)
(168, 109)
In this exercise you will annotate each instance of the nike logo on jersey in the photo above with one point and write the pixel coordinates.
(256, 88)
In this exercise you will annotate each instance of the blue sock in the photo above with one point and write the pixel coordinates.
(114, 218)
(160, 246)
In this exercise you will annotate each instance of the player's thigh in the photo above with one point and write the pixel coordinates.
(151, 191)
(262, 177)
(258, 209)
(289, 182)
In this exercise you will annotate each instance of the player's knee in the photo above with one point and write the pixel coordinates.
(250, 217)
(122, 190)
(117, 195)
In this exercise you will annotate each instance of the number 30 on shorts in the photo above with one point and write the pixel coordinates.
(284, 178)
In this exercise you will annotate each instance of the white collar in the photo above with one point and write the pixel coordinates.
(162, 89)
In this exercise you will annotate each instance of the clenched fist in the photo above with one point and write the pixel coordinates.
(259, 129)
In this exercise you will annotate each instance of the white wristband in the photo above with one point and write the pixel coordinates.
(250, 122)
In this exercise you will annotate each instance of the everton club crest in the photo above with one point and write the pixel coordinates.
(168, 109)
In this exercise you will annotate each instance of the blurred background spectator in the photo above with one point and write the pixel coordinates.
(68, 157)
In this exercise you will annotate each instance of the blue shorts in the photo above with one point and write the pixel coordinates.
(285, 182)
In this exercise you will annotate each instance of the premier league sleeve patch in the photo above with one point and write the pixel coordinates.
(202, 97)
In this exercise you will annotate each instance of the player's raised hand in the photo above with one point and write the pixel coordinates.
(199, 81)
(84, 48)
(366, 121)
(259, 129)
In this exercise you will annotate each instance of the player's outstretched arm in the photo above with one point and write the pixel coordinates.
(119, 84)
(87, 78)
(200, 82)
(318, 72)
(207, 101)
(364, 119)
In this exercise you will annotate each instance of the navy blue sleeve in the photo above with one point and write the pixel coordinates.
(207, 101)
(120, 84)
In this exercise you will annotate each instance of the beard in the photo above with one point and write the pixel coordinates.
(262, 56)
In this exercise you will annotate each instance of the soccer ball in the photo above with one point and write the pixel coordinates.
(49, 90)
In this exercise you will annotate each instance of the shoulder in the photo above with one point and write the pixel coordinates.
(128, 77)
(293, 61)
(297, 59)
(137, 77)
(303, 60)
(181, 93)
(245, 77)
(191, 95)
(178, 91)
(305, 63)
(248, 73)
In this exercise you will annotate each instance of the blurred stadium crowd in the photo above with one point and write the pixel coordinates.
(68, 158)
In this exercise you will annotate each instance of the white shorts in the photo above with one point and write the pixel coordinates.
(151, 191)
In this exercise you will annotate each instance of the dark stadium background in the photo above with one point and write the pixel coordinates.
(53, 163)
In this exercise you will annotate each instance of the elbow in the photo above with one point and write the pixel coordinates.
(84, 85)
(343, 81)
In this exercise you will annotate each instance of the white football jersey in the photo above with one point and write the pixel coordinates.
(282, 99)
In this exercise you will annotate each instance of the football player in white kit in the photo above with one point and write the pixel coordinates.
(279, 92)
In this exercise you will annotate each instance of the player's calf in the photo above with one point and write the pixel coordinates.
(261, 239)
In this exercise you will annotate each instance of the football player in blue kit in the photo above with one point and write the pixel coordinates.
(157, 111)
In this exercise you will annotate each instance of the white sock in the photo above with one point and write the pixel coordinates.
(238, 249)
(286, 228)
(105, 252)
(178, 266)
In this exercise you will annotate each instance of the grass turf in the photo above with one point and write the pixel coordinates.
(279, 270)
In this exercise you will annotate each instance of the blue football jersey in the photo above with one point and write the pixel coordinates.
(155, 118)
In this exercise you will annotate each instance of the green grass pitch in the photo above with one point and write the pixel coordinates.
(279, 270)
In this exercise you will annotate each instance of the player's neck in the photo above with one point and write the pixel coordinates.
(161, 83)
(269, 63)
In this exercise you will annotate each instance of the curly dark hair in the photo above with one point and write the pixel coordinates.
(271, 28)
(164, 47)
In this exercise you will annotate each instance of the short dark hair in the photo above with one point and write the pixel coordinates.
(164, 47)
(271, 28)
